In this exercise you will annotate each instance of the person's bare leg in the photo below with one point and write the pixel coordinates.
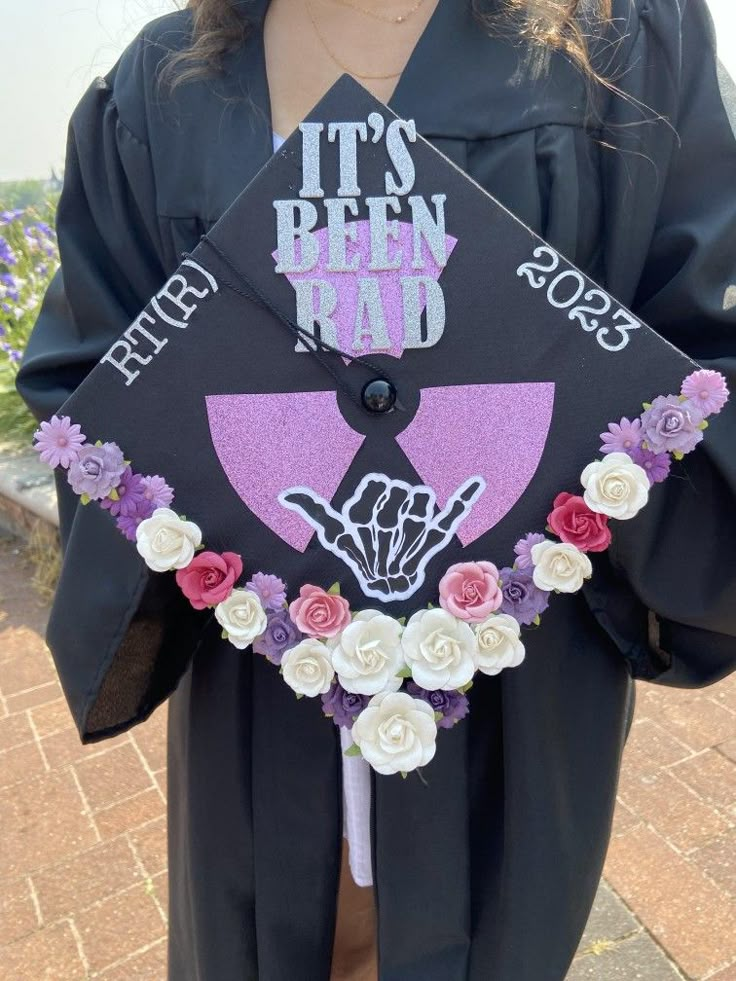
(354, 956)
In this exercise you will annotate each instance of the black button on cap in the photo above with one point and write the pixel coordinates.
(378, 395)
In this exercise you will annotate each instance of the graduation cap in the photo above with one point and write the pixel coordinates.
(369, 372)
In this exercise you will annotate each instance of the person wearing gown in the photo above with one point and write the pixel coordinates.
(489, 872)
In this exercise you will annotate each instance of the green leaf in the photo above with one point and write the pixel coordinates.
(404, 672)
(404, 774)
(224, 634)
(85, 498)
(537, 620)
(98, 442)
(678, 454)
(353, 750)
(438, 716)
(299, 697)
(647, 405)
(113, 495)
(334, 589)
(704, 424)
(430, 606)
(465, 688)
(402, 621)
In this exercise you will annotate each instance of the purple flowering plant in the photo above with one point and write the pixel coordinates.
(28, 259)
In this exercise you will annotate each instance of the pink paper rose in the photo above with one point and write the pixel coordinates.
(318, 613)
(470, 590)
(209, 578)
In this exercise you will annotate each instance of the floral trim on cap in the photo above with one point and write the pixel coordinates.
(394, 683)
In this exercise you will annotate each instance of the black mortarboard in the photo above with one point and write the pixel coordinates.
(504, 360)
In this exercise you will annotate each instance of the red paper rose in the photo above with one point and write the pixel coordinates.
(209, 578)
(318, 613)
(573, 522)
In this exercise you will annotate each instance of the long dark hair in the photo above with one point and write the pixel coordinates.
(221, 26)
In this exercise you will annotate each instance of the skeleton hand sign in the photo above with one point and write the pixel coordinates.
(387, 531)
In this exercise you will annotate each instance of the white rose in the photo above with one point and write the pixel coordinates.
(396, 733)
(166, 541)
(242, 617)
(307, 669)
(440, 650)
(499, 646)
(367, 654)
(615, 486)
(560, 566)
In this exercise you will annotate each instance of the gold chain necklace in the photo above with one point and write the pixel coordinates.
(333, 56)
(390, 18)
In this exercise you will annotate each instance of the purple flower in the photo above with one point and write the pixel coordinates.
(670, 425)
(157, 492)
(621, 436)
(452, 705)
(343, 707)
(657, 465)
(523, 550)
(7, 216)
(127, 523)
(270, 590)
(280, 634)
(6, 253)
(130, 496)
(706, 390)
(521, 598)
(58, 441)
(96, 470)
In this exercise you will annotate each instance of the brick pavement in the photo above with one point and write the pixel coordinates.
(83, 840)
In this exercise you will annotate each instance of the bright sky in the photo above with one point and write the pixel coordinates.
(54, 48)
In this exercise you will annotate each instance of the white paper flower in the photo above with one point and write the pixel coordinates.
(499, 646)
(395, 732)
(560, 566)
(166, 541)
(440, 650)
(307, 668)
(242, 617)
(367, 654)
(615, 486)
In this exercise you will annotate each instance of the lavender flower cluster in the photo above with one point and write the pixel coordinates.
(670, 426)
(98, 472)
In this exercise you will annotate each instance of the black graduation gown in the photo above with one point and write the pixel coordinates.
(489, 871)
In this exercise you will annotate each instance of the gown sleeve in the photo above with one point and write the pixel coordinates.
(666, 592)
(120, 636)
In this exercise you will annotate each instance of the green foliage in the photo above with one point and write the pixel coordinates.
(28, 259)
(25, 194)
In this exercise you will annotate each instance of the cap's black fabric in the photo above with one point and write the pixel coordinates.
(488, 871)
